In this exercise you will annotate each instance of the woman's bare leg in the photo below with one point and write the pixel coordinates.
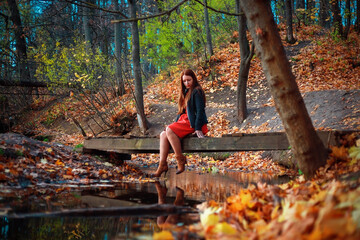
(164, 147)
(174, 141)
(164, 151)
(176, 146)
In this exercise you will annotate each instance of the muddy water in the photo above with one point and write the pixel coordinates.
(187, 189)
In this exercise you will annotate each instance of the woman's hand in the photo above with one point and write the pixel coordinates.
(199, 134)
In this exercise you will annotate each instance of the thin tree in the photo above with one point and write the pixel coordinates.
(357, 23)
(289, 23)
(324, 13)
(6, 63)
(310, 6)
(337, 22)
(307, 147)
(86, 28)
(117, 30)
(137, 68)
(347, 19)
(300, 7)
(246, 55)
(21, 52)
(207, 29)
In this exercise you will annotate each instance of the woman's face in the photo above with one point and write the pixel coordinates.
(187, 81)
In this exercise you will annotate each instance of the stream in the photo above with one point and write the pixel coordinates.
(27, 220)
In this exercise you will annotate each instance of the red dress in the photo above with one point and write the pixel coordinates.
(182, 127)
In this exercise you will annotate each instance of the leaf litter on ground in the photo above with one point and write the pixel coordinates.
(327, 205)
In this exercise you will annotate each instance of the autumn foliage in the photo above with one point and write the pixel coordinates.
(325, 207)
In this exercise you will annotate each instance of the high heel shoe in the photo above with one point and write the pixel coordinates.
(161, 169)
(181, 161)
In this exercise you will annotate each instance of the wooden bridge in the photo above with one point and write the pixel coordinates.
(227, 143)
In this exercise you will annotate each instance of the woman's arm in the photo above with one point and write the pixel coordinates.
(200, 110)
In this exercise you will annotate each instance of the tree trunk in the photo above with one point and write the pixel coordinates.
(137, 68)
(289, 26)
(308, 149)
(357, 24)
(119, 79)
(245, 56)
(207, 27)
(310, 10)
(300, 4)
(281, 10)
(347, 19)
(6, 63)
(86, 28)
(324, 13)
(20, 45)
(337, 17)
(125, 48)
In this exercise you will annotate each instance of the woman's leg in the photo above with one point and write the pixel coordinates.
(176, 146)
(161, 191)
(164, 146)
(174, 141)
(164, 151)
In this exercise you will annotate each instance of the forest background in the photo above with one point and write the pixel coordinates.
(102, 55)
(99, 64)
(81, 47)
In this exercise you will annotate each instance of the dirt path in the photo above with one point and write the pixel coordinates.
(332, 109)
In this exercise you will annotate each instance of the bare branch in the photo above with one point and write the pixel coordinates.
(219, 11)
(168, 12)
(4, 16)
(81, 3)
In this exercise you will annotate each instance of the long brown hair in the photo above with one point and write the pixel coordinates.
(184, 98)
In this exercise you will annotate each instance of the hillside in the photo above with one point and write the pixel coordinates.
(327, 74)
(326, 71)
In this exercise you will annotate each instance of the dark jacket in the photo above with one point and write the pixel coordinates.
(196, 110)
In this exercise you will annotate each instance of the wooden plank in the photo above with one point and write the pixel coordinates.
(123, 145)
(227, 143)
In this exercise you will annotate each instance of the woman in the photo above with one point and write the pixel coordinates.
(191, 118)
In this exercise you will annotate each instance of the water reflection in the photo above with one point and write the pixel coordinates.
(77, 228)
(202, 187)
(187, 189)
(179, 201)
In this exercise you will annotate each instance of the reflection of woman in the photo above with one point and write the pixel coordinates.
(179, 201)
(191, 118)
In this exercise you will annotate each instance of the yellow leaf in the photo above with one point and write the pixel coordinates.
(224, 228)
(209, 219)
(354, 152)
(275, 212)
(245, 197)
(163, 235)
(59, 163)
(284, 186)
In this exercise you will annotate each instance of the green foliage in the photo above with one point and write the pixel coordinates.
(335, 34)
(54, 113)
(168, 39)
(80, 145)
(2, 151)
(19, 153)
(354, 152)
(73, 66)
